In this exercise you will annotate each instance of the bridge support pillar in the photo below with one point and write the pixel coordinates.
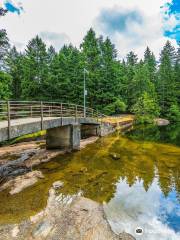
(64, 137)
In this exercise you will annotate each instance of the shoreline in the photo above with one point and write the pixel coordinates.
(26, 155)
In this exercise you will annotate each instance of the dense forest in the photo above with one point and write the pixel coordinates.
(148, 87)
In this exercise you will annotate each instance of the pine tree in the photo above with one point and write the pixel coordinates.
(177, 75)
(51, 52)
(35, 70)
(132, 59)
(131, 64)
(15, 69)
(150, 60)
(66, 75)
(91, 57)
(166, 79)
(142, 83)
(108, 91)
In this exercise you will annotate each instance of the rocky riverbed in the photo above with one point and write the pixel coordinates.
(20, 158)
(64, 218)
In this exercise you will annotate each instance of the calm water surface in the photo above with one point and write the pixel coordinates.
(135, 175)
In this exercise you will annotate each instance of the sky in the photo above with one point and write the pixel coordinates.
(149, 210)
(130, 24)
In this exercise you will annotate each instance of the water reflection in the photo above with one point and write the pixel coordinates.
(138, 181)
(165, 134)
(133, 207)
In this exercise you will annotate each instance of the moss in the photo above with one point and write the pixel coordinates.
(29, 137)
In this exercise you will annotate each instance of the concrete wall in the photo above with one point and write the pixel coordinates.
(106, 129)
(64, 137)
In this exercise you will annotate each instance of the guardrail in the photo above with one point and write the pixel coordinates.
(10, 110)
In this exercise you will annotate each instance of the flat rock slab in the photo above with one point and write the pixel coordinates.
(19, 183)
(65, 218)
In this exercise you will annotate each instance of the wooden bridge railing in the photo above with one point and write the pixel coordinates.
(10, 110)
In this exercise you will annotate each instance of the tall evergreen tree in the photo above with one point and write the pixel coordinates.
(91, 58)
(131, 65)
(35, 70)
(142, 83)
(150, 60)
(51, 52)
(66, 74)
(177, 75)
(108, 91)
(166, 79)
(15, 69)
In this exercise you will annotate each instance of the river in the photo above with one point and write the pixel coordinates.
(135, 175)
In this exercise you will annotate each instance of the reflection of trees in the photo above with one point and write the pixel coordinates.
(166, 134)
(96, 172)
(172, 134)
(137, 161)
(145, 133)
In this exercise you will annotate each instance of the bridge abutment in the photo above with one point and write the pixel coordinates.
(64, 137)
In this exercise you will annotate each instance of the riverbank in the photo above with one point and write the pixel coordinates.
(22, 157)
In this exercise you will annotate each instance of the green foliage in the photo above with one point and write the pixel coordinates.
(116, 107)
(145, 109)
(35, 70)
(113, 86)
(14, 63)
(174, 113)
(5, 86)
(166, 85)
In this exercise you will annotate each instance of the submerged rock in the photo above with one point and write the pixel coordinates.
(66, 218)
(115, 156)
(19, 183)
(57, 185)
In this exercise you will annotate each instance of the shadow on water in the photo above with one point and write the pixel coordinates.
(125, 172)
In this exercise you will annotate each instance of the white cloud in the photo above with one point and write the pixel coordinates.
(55, 39)
(73, 19)
(138, 34)
(133, 207)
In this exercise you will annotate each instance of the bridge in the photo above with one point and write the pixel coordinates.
(64, 122)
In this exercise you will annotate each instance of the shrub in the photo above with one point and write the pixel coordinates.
(174, 113)
(145, 109)
(116, 107)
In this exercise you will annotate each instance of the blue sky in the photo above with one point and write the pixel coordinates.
(172, 10)
(131, 24)
(13, 6)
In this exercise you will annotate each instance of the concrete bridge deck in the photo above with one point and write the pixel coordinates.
(63, 122)
(25, 126)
